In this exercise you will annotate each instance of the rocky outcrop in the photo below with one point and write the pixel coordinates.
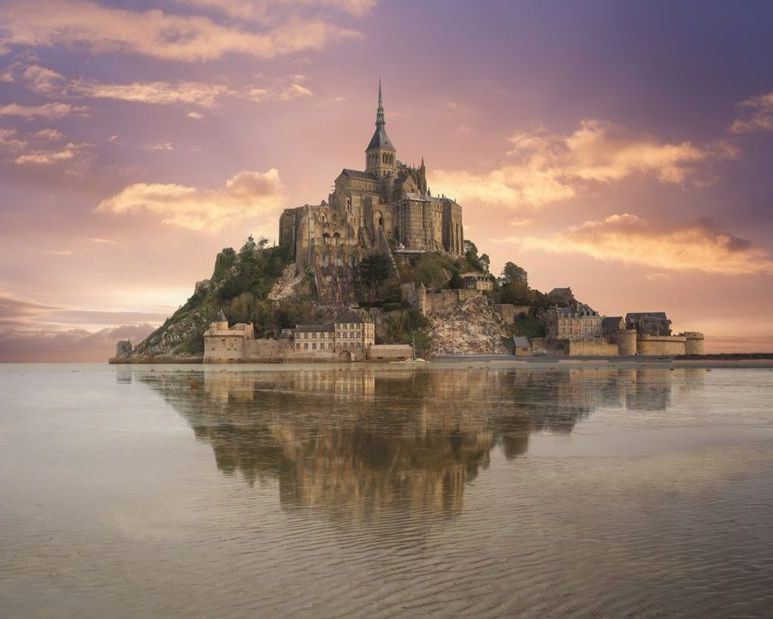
(291, 284)
(471, 327)
(248, 275)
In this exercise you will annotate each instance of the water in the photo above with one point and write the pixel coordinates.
(229, 492)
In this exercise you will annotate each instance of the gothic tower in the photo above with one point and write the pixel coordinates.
(380, 159)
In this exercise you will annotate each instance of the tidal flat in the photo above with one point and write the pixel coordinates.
(447, 490)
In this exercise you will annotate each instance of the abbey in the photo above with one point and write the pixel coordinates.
(386, 208)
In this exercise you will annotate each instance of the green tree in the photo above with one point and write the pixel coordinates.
(513, 273)
(375, 269)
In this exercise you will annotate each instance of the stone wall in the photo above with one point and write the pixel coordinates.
(661, 345)
(266, 351)
(444, 299)
(694, 343)
(390, 352)
(510, 312)
(596, 347)
(626, 342)
(223, 348)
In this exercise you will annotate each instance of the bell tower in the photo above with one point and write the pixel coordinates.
(380, 156)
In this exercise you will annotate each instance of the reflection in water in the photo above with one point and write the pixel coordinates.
(381, 492)
(361, 442)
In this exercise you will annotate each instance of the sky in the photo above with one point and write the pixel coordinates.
(623, 149)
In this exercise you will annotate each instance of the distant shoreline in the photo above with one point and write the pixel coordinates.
(723, 360)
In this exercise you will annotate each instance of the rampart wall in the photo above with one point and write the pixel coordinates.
(443, 299)
(657, 345)
(510, 312)
(591, 348)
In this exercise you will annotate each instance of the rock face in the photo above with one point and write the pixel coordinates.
(175, 339)
(291, 284)
(472, 327)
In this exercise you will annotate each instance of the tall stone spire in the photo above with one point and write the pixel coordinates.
(380, 157)
(380, 122)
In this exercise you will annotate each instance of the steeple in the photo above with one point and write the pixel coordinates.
(380, 122)
(380, 154)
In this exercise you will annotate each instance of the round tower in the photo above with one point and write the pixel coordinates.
(626, 342)
(221, 323)
(694, 343)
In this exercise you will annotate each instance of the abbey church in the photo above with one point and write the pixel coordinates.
(387, 208)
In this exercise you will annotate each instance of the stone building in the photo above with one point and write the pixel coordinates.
(476, 280)
(385, 207)
(224, 343)
(354, 337)
(572, 323)
(649, 323)
(351, 339)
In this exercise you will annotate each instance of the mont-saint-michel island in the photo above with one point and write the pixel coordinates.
(380, 271)
(381, 309)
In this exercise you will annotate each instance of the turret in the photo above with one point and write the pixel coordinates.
(221, 322)
(380, 159)
(422, 177)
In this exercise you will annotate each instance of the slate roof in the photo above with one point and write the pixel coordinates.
(380, 139)
(314, 328)
(611, 324)
(635, 315)
(358, 174)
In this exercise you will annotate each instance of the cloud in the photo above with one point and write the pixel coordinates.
(154, 33)
(755, 114)
(39, 148)
(245, 195)
(44, 81)
(159, 146)
(15, 311)
(47, 110)
(262, 11)
(165, 93)
(632, 240)
(545, 168)
(48, 157)
(45, 345)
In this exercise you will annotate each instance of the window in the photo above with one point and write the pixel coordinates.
(314, 346)
(305, 346)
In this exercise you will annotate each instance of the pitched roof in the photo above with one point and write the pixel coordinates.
(380, 139)
(635, 315)
(314, 328)
(358, 174)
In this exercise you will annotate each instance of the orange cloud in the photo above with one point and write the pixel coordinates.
(262, 11)
(47, 82)
(153, 32)
(44, 147)
(630, 239)
(47, 110)
(547, 168)
(756, 114)
(245, 195)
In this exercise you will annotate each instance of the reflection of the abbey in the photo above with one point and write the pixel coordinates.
(363, 442)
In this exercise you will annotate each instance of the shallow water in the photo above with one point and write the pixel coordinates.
(272, 491)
